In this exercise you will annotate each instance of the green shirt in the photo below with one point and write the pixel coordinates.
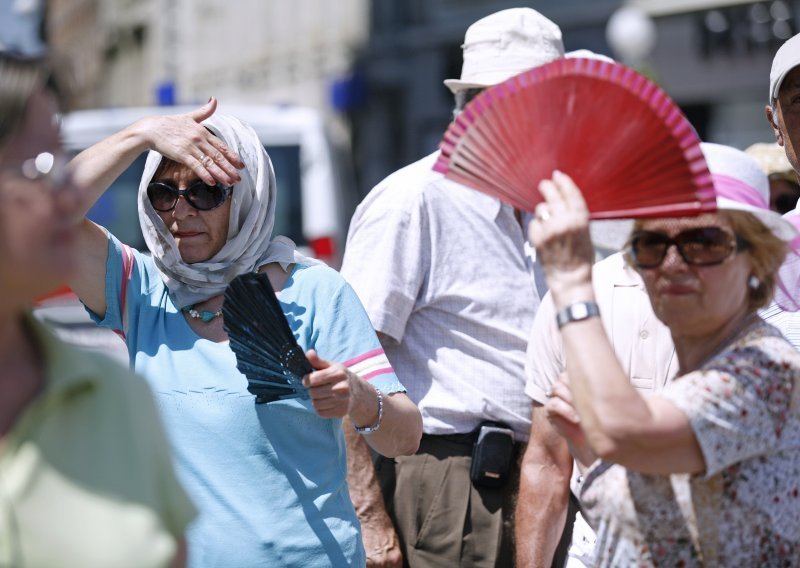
(86, 477)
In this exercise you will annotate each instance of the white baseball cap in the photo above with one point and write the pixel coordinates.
(505, 44)
(786, 59)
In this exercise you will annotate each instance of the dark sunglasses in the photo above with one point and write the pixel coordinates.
(703, 246)
(199, 195)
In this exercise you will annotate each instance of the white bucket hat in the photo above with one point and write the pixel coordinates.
(505, 44)
(742, 185)
(786, 59)
(588, 54)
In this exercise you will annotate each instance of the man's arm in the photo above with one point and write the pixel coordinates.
(380, 539)
(543, 493)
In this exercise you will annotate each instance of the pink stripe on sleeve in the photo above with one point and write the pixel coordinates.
(382, 371)
(360, 358)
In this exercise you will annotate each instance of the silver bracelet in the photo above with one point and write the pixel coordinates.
(377, 425)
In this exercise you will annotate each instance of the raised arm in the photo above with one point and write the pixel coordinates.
(647, 435)
(178, 137)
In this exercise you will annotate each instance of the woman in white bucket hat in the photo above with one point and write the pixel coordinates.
(706, 473)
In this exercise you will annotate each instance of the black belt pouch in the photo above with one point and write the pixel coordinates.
(492, 455)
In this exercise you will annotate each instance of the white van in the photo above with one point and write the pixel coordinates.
(316, 194)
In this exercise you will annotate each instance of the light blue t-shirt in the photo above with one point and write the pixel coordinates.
(270, 480)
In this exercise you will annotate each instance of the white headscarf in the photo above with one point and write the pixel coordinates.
(250, 243)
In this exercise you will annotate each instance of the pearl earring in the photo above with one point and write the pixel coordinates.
(753, 282)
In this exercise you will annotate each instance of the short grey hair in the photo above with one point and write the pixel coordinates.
(463, 97)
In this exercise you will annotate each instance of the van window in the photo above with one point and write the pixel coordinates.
(117, 209)
(289, 211)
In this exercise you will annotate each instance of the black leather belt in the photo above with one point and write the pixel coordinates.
(467, 439)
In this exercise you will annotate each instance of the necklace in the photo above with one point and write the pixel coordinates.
(204, 315)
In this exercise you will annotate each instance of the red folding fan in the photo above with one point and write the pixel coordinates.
(624, 142)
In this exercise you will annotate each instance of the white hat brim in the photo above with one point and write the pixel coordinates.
(775, 222)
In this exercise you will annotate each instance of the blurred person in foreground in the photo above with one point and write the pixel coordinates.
(269, 479)
(548, 480)
(439, 269)
(784, 190)
(704, 473)
(86, 476)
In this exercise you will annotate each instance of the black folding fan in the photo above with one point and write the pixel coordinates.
(266, 350)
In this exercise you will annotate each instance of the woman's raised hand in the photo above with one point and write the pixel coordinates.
(560, 234)
(183, 139)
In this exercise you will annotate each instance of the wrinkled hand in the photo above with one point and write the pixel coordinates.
(336, 391)
(381, 545)
(560, 233)
(183, 139)
(561, 413)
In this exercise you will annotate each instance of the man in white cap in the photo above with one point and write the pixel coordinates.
(443, 273)
(783, 110)
(783, 114)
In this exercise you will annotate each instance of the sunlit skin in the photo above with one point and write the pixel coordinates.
(785, 121)
(696, 301)
(199, 234)
(37, 223)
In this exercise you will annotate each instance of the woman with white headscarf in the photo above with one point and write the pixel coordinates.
(269, 479)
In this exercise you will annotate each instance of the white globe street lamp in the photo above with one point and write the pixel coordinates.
(631, 33)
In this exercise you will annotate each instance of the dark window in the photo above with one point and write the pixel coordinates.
(289, 210)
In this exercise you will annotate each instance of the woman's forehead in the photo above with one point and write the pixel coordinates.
(674, 225)
(169, 170)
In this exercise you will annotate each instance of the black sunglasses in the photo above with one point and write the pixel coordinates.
(703, 246)
(199, 195)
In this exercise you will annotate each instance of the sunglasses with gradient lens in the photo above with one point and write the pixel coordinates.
(702, 246)
(199, 195)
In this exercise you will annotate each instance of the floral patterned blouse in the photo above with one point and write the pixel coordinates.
(744, 408)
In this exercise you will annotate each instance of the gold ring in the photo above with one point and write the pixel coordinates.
(542, 213)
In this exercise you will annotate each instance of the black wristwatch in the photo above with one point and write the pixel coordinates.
(578, 311)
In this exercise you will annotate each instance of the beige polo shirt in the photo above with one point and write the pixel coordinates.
(86, 477)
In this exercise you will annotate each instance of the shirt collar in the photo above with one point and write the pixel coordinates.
(627, 275)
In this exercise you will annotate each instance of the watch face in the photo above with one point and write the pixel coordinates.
(579, 311)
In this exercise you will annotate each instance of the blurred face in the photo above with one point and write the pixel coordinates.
(783, 195)
(38, 213)
(199, 234)
(785, 121)
(697, 300)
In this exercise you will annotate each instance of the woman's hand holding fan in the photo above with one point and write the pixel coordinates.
(336, 391)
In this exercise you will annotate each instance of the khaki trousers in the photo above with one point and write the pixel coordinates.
(442, 519)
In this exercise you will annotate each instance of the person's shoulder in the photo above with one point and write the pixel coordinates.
(762, 347)
(405, 186)
(317, 277)
(108, 377)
